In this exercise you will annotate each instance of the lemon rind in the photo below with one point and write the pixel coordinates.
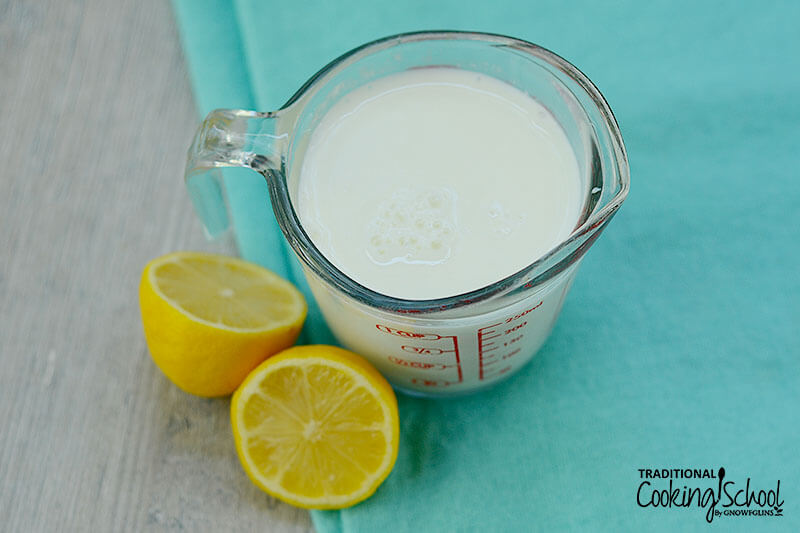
(371, 483)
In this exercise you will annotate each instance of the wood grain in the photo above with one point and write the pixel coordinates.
(95, 118)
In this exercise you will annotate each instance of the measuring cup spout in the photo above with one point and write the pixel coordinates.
(230, 138)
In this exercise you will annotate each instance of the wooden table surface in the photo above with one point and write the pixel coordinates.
(96, 114)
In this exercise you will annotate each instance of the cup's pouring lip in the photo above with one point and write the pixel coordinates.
(561, 257)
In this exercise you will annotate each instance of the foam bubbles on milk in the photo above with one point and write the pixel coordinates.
(413, 226)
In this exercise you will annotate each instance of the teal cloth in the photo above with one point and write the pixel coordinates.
(679, 344)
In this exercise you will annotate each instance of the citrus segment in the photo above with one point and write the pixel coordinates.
(210, 319)
(316, 426)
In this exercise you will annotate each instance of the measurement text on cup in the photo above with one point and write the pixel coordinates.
(497, 344)
(430, 359)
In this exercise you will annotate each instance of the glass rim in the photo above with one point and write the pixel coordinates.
(544, 268)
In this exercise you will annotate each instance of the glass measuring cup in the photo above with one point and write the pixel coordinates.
(443, 346)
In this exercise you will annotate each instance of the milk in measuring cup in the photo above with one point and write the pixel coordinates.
(438, 181)
(431, 183)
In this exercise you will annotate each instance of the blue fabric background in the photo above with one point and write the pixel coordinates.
(679, 344)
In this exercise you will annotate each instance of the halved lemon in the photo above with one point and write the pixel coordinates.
(210, 319)
(316, 426)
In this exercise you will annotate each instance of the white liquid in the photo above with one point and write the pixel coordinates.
(437, 181)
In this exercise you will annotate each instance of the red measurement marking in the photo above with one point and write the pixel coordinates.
(418, 364)
(431, 382)
(515, 339)
(485, 345)
(482, 334)
(522, 314)
(420, 350)
(417, 349)
(487, 330)
(408, 334)
(515, 328)
(458, 360)
(499, 373)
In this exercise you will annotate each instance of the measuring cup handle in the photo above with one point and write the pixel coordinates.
(230, 138)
